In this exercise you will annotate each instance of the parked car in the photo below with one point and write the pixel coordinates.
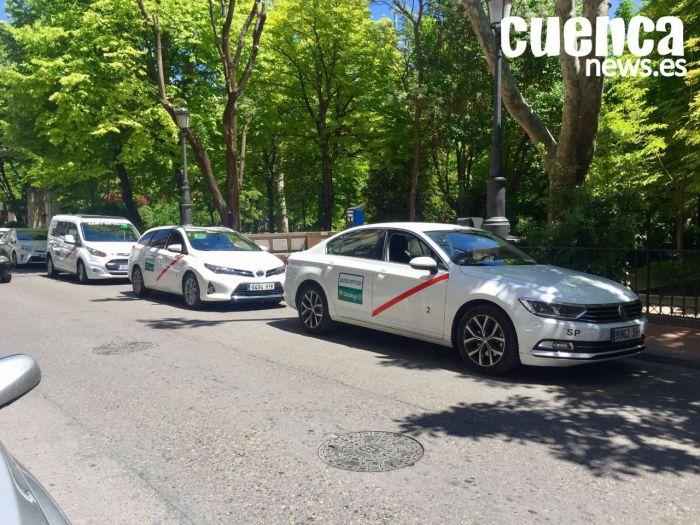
(90, 246)
(466, 288)
(205, 264)
(24, 246)
(23, 500)
(5, 270)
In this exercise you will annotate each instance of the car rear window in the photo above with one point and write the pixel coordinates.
(31, 235)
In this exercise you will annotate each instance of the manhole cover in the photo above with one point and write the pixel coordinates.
(122, 347)
(371, 451)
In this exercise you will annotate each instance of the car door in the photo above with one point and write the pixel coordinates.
(69, 252)
(152, 265)
(407, 298)
(54, 244)
(169, 265)
(351, 265)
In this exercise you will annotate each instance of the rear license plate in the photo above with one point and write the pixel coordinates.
(123, 267)
(261, 287)
(625, 334)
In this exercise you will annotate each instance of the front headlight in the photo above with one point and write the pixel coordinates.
(570, 312)
(4, 259)
(276, 271)
(228, 271)
(96, 253)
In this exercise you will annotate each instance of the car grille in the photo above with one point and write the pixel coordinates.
(113, 265)
(599, 347)
(610, 313)
(242, 291)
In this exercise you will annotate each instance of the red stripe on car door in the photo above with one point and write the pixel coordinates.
(71, 252)
(172, 263)
(410, 292)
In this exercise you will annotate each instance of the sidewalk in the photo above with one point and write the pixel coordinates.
(673, 345)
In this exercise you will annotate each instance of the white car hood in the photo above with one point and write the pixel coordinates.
(250, 261)
(122, 249)
(551, 283)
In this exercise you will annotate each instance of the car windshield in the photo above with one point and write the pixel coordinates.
(109, 232)
(220, 241)
(31, 235)
(478, 248)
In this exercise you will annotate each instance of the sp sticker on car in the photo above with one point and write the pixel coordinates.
(350, 287)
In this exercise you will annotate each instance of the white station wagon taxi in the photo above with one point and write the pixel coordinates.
(465, 288)
(205, 264)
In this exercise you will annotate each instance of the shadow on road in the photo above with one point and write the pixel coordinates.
(31, 269)
(175, 301)
(620, 418)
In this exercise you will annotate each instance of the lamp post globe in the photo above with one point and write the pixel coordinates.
(182, 116)
(496, 220)
(498, 10)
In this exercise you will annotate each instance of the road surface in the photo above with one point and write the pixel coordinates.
(150, 413)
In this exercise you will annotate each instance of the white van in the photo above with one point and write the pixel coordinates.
(90, 246)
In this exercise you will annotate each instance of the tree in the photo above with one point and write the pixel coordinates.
(568, 158)
(325, 64)
(236, 71)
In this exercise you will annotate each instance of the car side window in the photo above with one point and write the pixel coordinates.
(72, 229)
(176, 238)
(404, 246)
(363, 244)
(145, 239)
(160, 238)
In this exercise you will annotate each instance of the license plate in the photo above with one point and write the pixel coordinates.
(625, 334)
(261, 287)
(123, 267)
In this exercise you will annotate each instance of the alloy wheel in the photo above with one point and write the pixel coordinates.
(484, 340)
(312, 309)
(191, 290)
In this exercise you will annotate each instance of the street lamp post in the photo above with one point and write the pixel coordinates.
(182, 115)
(496, 220)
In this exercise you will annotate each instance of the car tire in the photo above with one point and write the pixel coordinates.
(50, 268)
(14, 260)
(190, 291)
(486, 341)
(82, 273)
(137, 283)
(313, 309)
(5, 278)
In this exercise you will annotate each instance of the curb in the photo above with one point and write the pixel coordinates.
(668, 359)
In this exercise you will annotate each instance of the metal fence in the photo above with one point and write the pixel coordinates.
(667, 281)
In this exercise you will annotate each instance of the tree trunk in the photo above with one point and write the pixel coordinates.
(132, 210)
(270, 189)
(282, 219)
(7, 187)
(415, 169)
(233, 189)
(327, 198)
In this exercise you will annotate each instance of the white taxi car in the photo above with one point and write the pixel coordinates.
(465, 288)
(205, 264)
(93, 247)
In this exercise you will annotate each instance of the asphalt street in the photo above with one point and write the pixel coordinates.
(151, 413)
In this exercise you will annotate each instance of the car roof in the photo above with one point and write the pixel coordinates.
(190, 228)
(88, 218)
(419, 226)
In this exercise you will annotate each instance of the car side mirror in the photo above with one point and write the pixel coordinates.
(424, 263)
(176, 248)
(69, 239)
(19, 374)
